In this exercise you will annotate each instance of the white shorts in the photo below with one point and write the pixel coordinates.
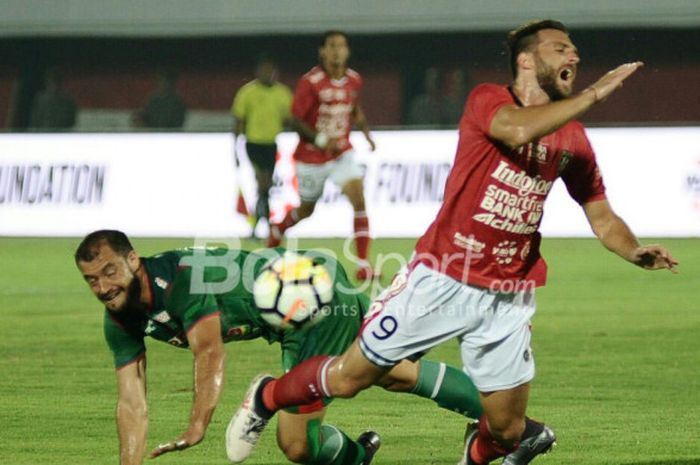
(423, 308)
(312, 177)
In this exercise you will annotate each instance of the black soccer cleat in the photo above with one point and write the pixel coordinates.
(371, 442)
(532, 447)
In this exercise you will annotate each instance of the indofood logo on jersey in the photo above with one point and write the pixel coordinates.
(692, 184)
(521, 181)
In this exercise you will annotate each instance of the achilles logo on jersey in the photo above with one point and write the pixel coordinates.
(521, 181)
(503, 224)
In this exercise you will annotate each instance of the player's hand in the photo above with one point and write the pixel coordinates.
(372, 145)
(654, 257)
(612, 80)
(185, 441)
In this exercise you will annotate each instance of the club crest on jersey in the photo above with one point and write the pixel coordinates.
(162, 317)
(161, 283)
(525, 252)
(564, 161)
(238, 331)
(176, 341)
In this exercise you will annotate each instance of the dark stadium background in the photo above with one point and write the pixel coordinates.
(120, 73)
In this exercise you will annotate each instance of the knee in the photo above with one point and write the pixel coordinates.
(507, 432)
(295, 451)
(263, 178)
(348, 387)
(306, 209)
(357, 199)
(354, 191)
(264, 185)
(392, 384)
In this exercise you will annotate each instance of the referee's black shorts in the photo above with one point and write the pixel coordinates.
(262, 156)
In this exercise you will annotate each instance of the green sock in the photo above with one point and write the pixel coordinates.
(328, 445)
(451, 388)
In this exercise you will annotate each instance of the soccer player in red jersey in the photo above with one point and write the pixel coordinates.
(326, 106)
(476, 267)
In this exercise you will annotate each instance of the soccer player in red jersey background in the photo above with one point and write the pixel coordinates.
(326, 106)
(476, 268)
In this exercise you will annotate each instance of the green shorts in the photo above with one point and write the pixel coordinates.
(331, 336)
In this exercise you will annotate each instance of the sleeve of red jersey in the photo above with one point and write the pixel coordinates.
(582, 175)
(359, 86)
(483, 103)
(304, 99)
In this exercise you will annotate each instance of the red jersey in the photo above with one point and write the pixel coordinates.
(486, 232)
(326, 105)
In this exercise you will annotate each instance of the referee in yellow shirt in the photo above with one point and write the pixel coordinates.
(261, 108)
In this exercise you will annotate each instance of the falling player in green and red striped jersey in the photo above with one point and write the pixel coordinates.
(202, 298)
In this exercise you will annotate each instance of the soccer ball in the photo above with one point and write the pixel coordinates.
(293, 292)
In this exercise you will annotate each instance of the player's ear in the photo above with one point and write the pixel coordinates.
(133, 260)
(526, 60)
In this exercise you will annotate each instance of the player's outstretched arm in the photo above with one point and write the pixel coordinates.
(132, 412)
(617, 237)
(209, 356)
(516, 126)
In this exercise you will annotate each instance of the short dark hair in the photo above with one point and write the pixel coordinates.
(331, 33)
(523, 37)
(90, 245)
(265, 58)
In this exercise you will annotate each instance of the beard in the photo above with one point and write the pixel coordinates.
(547, 80)
(133, 297)
(133, 294)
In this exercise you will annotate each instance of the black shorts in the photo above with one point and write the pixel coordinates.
(262, 156)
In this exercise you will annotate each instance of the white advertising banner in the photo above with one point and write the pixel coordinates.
(187, 184)
(145, 184)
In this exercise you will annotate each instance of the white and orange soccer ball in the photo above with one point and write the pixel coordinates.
(293, 292)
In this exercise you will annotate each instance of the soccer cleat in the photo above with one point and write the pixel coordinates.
(275, 237)
(469, 437)
(371, 442)
(366, 273)
(246, 426)
(531, 447)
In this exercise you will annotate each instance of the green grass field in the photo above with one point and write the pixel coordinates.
(617, 348)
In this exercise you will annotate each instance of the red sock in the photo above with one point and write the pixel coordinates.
(302, 385)
(361, 227)
(485, 448)
(290, 219)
